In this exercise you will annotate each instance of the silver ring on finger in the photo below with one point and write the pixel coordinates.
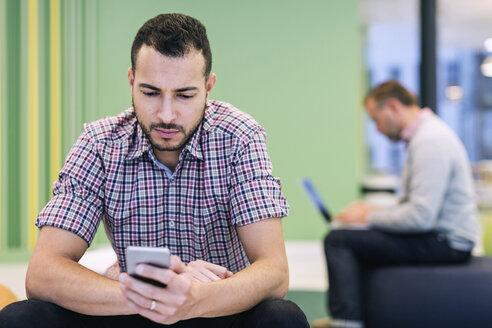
(152, 305)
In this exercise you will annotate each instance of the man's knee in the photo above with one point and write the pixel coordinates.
(15, 315)
(276, 313)
(34, 313)
(336, 238)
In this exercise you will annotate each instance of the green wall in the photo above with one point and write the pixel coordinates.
(293, 65)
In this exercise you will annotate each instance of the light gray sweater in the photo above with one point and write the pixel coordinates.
(438, 192)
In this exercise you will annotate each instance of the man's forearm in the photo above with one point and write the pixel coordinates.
(260, 281)
(72, 286)
(406, 218)
(266, 278)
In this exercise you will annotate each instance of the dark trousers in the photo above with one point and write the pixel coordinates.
(348, 252)
(33, 313)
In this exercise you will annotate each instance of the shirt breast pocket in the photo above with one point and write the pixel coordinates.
(120, 208)
(213, 213)
(119, 218)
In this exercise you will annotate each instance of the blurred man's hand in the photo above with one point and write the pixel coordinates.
(356, 213)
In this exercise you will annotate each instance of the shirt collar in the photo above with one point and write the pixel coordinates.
(140, 143)
(194, 145)
(407, 133)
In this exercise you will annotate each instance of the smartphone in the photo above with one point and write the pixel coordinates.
(156, 256)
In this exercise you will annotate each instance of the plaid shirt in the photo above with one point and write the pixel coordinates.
(223, 178)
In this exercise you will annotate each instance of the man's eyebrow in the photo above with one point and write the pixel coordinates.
(186, 89)
(148, 86)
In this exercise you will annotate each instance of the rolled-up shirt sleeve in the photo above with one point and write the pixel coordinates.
(78, 194)
(255, 194)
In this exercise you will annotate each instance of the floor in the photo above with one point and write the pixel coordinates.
(306, 266)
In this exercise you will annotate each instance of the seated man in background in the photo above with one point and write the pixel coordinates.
(435, 220)
(175, 170)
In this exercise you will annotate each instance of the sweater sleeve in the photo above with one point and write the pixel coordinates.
(428, 173)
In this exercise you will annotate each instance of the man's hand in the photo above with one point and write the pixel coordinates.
(163, 305)
(202, 271)
(356, 213)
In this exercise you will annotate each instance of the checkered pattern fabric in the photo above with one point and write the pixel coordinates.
(223, 179)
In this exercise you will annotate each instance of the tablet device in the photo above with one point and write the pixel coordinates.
(316, 199)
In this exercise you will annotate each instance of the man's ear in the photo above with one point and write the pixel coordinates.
(394, 105)
(131, 76)
(212, 78)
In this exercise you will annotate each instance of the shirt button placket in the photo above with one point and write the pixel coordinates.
(173, 203)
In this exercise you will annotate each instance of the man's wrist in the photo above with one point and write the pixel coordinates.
(196, 299)
(202, 299)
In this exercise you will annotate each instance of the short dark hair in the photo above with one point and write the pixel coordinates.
(392, 89)
(173, 35)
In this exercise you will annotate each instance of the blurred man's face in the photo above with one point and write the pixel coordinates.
(385, 119)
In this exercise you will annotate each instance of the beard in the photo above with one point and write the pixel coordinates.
(394, 134)
(187, 134)
(394, 137)
(393, 130)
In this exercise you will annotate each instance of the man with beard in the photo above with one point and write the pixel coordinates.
(178, 171)
(435, 220)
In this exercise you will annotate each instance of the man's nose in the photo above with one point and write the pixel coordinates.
(167, 113)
